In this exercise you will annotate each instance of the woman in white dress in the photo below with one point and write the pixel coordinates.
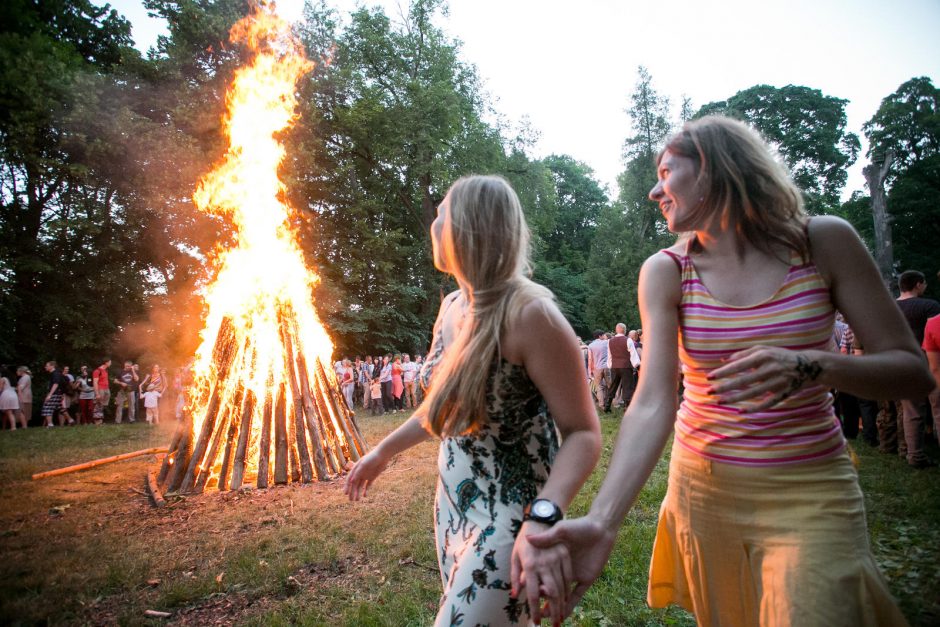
(9, 402)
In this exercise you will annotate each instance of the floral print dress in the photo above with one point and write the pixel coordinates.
(486, 479)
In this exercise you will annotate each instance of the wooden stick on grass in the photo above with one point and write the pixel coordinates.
(99, 462)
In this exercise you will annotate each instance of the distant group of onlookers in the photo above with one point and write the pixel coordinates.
(386, 383)
(898, 427)
(16, 397)
(612, 362)
(85, 397)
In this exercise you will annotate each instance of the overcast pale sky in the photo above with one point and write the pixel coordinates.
(570, 66)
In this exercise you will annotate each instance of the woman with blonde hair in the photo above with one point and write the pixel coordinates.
(763, 522)
(503, 373)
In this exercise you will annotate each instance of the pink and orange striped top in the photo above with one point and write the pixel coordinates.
(799, 316)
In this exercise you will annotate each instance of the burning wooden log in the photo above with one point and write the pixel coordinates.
(304, 423)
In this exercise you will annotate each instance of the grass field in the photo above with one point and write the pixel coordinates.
(87, 548)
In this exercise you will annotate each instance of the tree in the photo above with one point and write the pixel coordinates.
(808, 128)
(907, 124)
(564, 233)
(630, 230)
(388, 124)
(58, 218)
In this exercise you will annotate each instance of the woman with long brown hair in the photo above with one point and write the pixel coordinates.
(763, 522)
(503, 373)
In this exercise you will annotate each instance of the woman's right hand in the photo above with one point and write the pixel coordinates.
(363, 473)
(589, 545)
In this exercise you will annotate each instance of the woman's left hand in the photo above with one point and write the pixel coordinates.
(541, 573)
(762, 371)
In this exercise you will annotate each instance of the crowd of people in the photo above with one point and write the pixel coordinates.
(85, 397)
(381, 384)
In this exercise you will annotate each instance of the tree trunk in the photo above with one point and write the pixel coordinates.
(876, 174)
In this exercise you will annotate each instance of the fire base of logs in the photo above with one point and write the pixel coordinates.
(193, 462)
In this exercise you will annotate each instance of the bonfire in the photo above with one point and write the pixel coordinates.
(264, 402)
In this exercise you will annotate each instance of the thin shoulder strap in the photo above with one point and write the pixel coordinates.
(674, 256)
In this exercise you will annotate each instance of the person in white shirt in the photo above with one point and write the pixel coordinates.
(152, 405)
(598, 366)
(408, 372)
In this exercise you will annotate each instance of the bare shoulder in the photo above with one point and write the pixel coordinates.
(822, 229)
(661, 276)
(538, 313)
(834, 245)
(539, 323)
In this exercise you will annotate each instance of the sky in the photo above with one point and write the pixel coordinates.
(569, 67)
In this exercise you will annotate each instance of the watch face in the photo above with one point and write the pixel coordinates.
(542, 509)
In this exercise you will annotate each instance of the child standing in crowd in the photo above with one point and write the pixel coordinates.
(152, 405)
(86, 396)
(376, 394)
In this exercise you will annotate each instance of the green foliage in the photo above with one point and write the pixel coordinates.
(59, 219)
(386, 126)
(908, 123)
(857, 211)
(808, 129)
(630, 230)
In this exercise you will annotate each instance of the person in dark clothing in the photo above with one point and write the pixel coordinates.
(621, 370)
(913, 412)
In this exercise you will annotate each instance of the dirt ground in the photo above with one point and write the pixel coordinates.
(89, 548)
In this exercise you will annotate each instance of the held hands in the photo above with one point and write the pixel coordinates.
(541, 573)
(586, 543)
(762, 371)
(363, 473)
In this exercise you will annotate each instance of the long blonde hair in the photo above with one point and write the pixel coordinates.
(745, 188)
(485, 245)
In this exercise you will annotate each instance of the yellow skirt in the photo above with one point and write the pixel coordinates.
(769, 547)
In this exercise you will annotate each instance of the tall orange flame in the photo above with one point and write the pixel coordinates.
(263, 277)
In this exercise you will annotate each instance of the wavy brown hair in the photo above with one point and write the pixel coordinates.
(485, 245)
(745, 188)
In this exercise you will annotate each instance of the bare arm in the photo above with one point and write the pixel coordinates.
(548, 348)
(366, 470)
(892, 365)
(410, 433)
(643, 433)
(649, 420)
(546, 345)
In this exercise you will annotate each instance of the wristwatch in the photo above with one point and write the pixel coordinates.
(543, 511)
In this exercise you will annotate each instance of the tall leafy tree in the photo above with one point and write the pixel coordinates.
(908, 123)
(565, 232)
(58, 217)
(630, 230)
(391, 120)
(809, 130)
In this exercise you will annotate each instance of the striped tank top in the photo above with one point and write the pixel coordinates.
(799, 316)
